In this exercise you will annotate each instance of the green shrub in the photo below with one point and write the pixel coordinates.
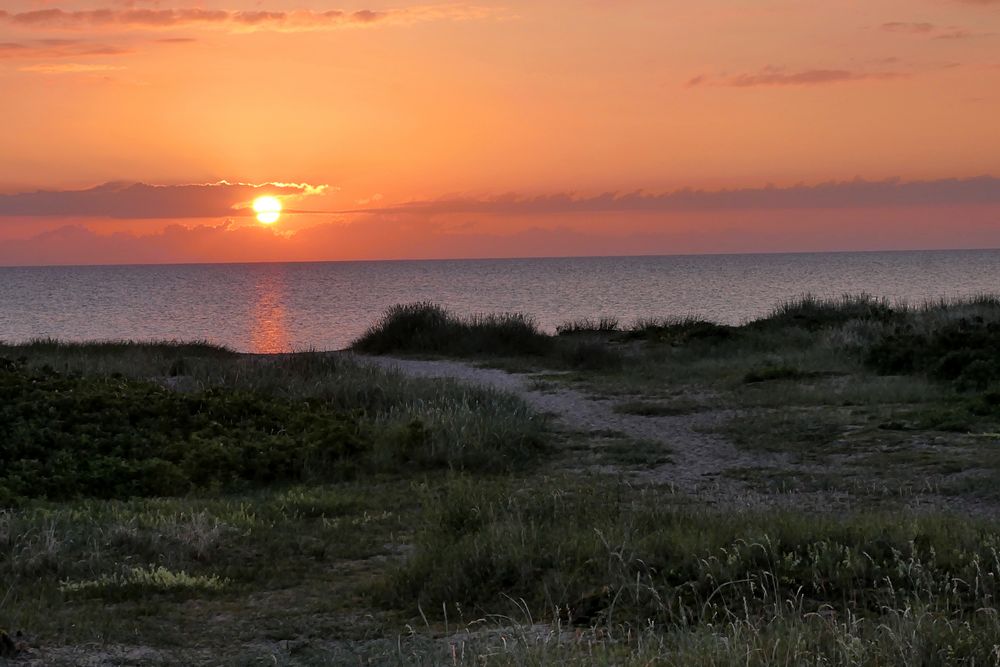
(101, 429)
(67, 436)
(814, 313)
(426, 328)
(965, 352)
(680, 331)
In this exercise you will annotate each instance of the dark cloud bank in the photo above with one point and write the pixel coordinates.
(130, 201)
(218, 200)
(835, 195)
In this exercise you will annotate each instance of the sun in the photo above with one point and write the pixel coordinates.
(268, 209)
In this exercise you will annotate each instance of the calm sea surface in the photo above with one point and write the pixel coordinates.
(277, 307)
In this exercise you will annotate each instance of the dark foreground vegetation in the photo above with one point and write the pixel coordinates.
(956, 342)
(183, 504)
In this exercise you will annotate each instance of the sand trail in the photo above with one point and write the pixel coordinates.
(699, 457)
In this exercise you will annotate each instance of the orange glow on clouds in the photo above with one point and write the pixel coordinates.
(402, 101)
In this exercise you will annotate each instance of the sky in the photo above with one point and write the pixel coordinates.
(141, 131)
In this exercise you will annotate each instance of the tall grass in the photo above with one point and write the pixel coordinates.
(603, 325)
(900, 638)
(597, 553)
(426, 328)
(815, 313)
(954, 341)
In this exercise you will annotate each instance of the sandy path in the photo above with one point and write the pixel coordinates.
(699, 457)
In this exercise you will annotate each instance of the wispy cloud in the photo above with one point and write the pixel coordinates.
(69, 68)
(143, 201)
(840, 194)
(779, 76)
(57, 48)
(932, 31)
(808, 77)
(909, 28)
(234, 20)
(398, 237)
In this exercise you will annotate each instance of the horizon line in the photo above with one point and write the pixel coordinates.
(508, 258)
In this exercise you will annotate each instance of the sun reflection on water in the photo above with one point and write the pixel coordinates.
(268, 328)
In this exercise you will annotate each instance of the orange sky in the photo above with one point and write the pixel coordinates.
(493, 128)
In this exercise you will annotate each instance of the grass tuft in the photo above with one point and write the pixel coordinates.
(814, 313)
(607, 555)
(426, 328)
(139, 580)
(587, 326)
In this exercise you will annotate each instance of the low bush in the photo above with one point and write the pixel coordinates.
(680, 331)
(426, 328)
(814, 313)
(964, 351)
(65, 436)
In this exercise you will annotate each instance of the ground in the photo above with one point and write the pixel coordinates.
(681, 493)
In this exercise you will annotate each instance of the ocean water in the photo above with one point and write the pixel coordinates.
(281, 307)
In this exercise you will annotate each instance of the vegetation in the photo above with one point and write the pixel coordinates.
(232, 419)
(957, 341)
(815, 314)
(965, 351)
(622, 556)
(312, 509)
(66, 436)
(603, 325)
(679, 331)
(425, 328)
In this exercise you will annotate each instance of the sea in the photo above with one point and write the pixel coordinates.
(266, 308)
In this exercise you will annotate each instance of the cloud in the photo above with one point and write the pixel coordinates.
(396, 237)
(780, 76)
(931, 30)
(832, 195)
(809, 77)
(143, 201)
(69, 68)
(909, 28)
(233, 20)
(960, 33)
(57, 48)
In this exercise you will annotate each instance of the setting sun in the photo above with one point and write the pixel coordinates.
(268, 209)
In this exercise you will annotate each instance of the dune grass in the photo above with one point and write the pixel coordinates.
(425, 328)
(596, 554)
(956, 342)
(439, 532)
(602, 325)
